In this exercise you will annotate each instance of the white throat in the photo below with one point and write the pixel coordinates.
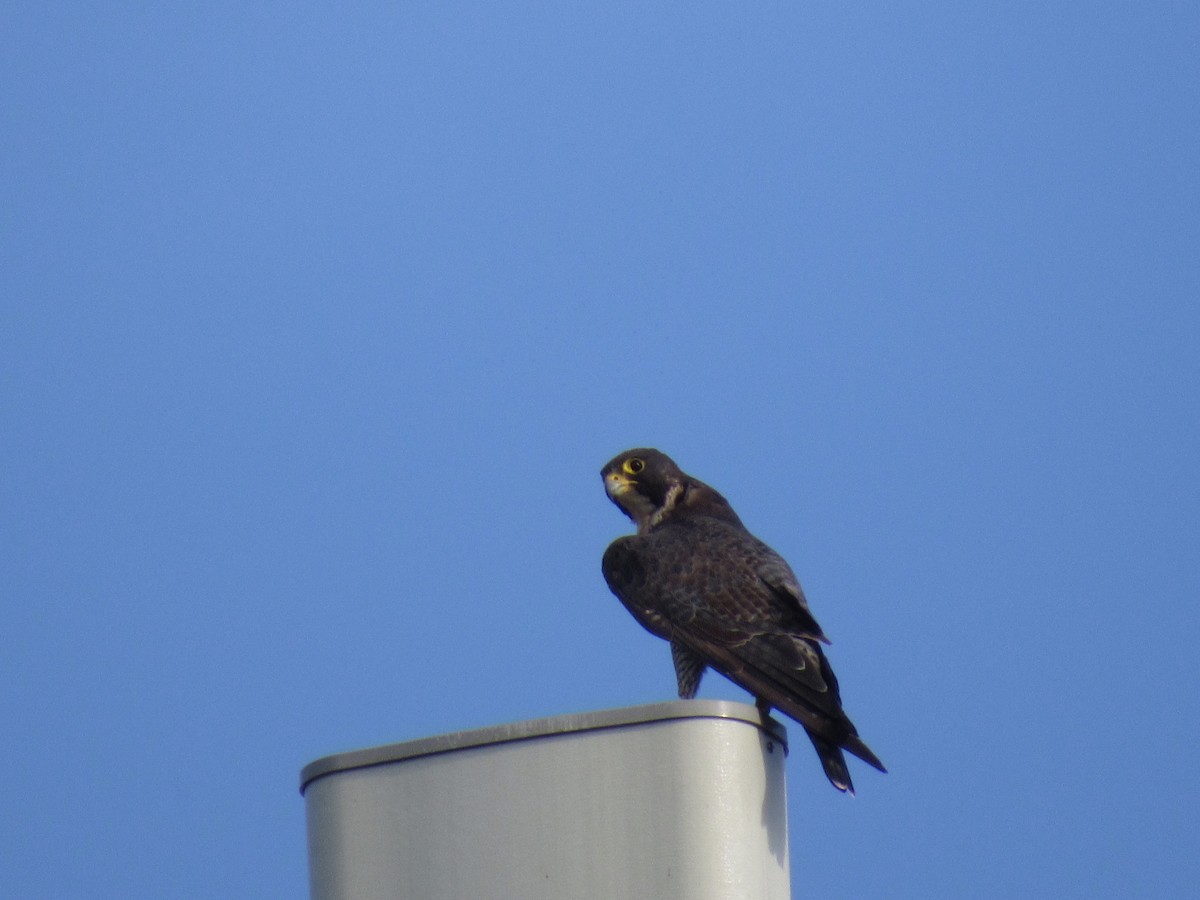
(656, 516)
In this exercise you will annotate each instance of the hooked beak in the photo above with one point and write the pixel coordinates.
(616, 484)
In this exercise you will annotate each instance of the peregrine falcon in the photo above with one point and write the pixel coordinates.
(694, 576)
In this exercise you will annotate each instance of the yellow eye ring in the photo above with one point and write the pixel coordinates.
(634, 465)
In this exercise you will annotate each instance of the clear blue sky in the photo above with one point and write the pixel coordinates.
(318, 321)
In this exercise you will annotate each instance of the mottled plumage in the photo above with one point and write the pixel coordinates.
(696, 577)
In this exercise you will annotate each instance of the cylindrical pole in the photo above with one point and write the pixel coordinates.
(676, 801)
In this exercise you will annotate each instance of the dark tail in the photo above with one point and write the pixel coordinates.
(833, 761)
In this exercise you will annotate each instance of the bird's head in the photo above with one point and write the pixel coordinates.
(644, 483)
(649, 487)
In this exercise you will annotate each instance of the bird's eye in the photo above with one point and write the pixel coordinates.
(634, 465)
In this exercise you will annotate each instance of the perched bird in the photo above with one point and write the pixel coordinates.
(696, 577)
